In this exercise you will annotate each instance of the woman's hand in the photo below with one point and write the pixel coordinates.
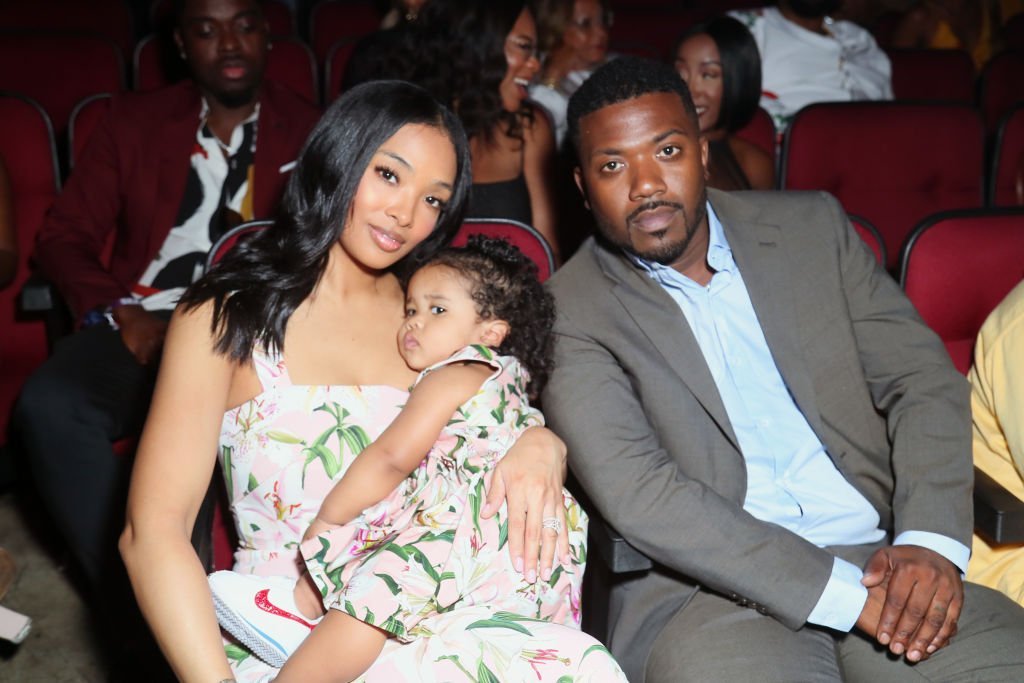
(529, 480)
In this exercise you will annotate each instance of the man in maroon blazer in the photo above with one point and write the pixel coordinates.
(161, 179)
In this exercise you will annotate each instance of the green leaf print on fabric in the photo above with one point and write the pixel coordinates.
(595, 648)
(566, 679)
(252, 483)
(352, 436)
(390, 583)
(507, 620)
(499, 412)
(236, 653)
(454, 659)
(225, 454)
(283, 437)
(502, 534)
(485, 675)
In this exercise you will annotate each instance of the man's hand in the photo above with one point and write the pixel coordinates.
(914, 600)
(141, 331)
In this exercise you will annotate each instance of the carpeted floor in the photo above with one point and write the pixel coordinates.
(62, 646)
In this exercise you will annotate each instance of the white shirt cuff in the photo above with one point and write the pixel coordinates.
(842, 600)
(954, 551)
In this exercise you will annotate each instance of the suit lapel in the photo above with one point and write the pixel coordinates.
(765, 263)
(661, 321)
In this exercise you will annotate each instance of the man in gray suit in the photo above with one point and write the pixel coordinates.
(753, 403)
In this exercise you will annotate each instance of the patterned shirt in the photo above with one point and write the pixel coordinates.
(218, 196)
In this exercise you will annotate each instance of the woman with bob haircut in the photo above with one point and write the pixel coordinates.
(282, 361)
(479, 58)
(720, 63)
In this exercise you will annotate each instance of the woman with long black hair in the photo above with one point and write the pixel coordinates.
(284, 356)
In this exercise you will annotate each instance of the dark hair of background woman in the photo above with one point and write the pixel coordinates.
(458, 54)
(260, 283)
(741, 69)
(504, 286)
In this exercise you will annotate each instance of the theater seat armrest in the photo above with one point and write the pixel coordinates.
(37, 295)
(617, 554)
(998, 514)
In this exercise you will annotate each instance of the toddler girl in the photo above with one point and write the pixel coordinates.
(399, 539)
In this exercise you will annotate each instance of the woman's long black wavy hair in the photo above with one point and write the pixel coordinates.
(260, 283)
(504, 286)
(458, 54)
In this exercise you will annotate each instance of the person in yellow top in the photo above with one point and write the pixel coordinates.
(970, 25)
(997, 408)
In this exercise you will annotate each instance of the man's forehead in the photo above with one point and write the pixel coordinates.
(635, 120)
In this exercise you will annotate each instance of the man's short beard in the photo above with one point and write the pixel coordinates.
(666, 253)
(234, 99)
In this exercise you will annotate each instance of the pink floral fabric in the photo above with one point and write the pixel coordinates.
(421, 564)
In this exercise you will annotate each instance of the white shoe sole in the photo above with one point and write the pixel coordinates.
(13, 626)
(247, 634)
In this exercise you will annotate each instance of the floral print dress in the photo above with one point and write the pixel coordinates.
(421, 564)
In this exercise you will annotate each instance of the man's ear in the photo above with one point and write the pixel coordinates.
(494, 333)
(577, 175)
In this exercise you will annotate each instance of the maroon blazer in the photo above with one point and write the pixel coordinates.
(131, 179)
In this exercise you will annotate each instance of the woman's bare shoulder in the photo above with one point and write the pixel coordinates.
(757, 165)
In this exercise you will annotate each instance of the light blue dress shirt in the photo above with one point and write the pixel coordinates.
(791, 481)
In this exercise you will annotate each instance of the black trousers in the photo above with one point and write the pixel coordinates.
(90, 393)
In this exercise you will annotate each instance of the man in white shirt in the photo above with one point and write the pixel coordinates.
(808, 57)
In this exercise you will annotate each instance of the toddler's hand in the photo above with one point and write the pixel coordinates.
(317, 527)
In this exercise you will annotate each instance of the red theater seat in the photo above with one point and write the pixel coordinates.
(932, 75)
(892, 163)
(59, 70)
(84, 118)
(30, 155)
(869, 234)
(1006, 181)
(957, 266)
(1002, 86)
(110, 19)
(335, 20)
(529, 241)
(761, 132)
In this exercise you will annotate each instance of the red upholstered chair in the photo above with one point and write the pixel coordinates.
(869, 234)
(335, 20)
(761, 132)
(290, 63)
(30, 155)
(1006, 181)
(1002, 86)
(932, 75)
(84, 119)
(110, 19)
(529, 241)
(59, 70)
(1013, 32)
(892, 163)
(957, 266)
(279, 15)
(334, 68)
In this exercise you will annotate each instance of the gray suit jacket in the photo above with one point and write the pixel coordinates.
(651, 443)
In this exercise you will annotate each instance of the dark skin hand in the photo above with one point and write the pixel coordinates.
(141, 331)
(914, 600)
